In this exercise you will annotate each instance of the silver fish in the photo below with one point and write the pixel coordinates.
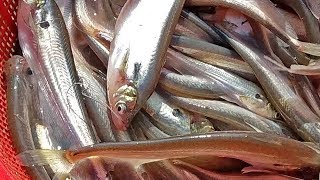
(56, 62)
(238, 90)
(95, 98)
(167, 117)
(97, 20)
(228, 113)
(294, 110)
(267, 14)
(213, 54)
(19, 116)
(138, 54)
(189, 85)
(150, 130)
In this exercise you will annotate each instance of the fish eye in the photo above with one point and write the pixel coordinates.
(258, 96)
(277, 115)
(121, 108)
(29, 71)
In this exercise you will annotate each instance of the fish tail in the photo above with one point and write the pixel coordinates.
(308, 48)
(56, 159)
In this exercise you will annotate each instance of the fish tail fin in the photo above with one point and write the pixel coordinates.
(308, 48)
(56, 159)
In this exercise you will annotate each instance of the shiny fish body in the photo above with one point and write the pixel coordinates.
(228, 113)
(261, 150)
(95, 98)
(58, 67)
(214, 55)
(187, 28)
(138, 54)
(149, 129)
(239, 90)
(310, 22)
(295, 111)
(167, 117)
(19, 116)
(189, 85)
(97, 20)
(264, 12)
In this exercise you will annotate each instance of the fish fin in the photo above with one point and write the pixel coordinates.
(252, 169)
(199, 172)
(54, 158)
(277, 65)
(305, 70)
(309, 48)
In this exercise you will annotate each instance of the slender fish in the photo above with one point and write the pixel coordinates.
(229, 113)
(260, 150)
(238, 90)
(138, 54)
(264, 12)
(293, 109)
(189, 85)
(213, 54)
(19, 116)
(56, 63)
(169, 118)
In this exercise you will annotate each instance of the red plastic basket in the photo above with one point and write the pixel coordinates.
(9, 166)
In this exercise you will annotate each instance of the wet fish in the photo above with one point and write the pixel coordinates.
(167, 117)
(189, 85)
(137, 58)
(19, 116)
(310, 22)
(188, 28)
(274, 153)
(97, 21)
(231, 114)
(204, 26)
(295, 111)
(214, 55)
(56, 64)
(95, 97)
(239, 90)
(264, 12)
(150, 130)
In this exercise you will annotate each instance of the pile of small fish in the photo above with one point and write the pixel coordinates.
(167, 89)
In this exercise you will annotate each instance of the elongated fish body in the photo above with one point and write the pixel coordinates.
(231, 114)
(138, 54)
(19, 116)
(56, 63)
(97, 20)
(261, 150)
(189, 85)
(214, 55)
(188, 28)
(239, 90)
(310, 22)
(169, 118)
(149, 129)
(95, 98)
(264, 12)
(295, 111)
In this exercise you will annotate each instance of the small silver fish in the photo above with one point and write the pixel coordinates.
(138, 53)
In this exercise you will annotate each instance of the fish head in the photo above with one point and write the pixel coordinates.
(123, 103)
(17, 64)
(260, 105)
